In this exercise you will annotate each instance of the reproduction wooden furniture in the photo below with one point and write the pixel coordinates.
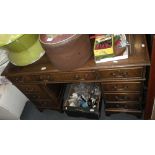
(122, 82)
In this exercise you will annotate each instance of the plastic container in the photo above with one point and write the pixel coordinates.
(67, 51)
(23, 49)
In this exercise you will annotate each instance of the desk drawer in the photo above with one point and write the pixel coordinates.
(136, 106)
(33, 91)
(19, 79)
(121, 73)
(35, 96)
(122, 86)
(28, 89)
(137, 113)
(111, 97)
(65, 76)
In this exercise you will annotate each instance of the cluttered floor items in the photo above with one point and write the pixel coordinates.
(83, 100)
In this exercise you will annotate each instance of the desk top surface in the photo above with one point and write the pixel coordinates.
(138, 57)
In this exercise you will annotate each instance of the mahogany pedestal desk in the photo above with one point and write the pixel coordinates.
(122, 82)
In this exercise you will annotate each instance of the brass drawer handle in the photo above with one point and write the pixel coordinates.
(120, 89)
(123, 74)
(83, 77)
(119, 74)
(45, 77)
(121, 98)
(114, 74)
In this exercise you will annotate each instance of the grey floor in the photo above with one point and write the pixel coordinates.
(30, 112)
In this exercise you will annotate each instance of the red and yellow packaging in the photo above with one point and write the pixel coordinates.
(103, 47)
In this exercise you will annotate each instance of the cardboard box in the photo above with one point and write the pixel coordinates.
(103, 47)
